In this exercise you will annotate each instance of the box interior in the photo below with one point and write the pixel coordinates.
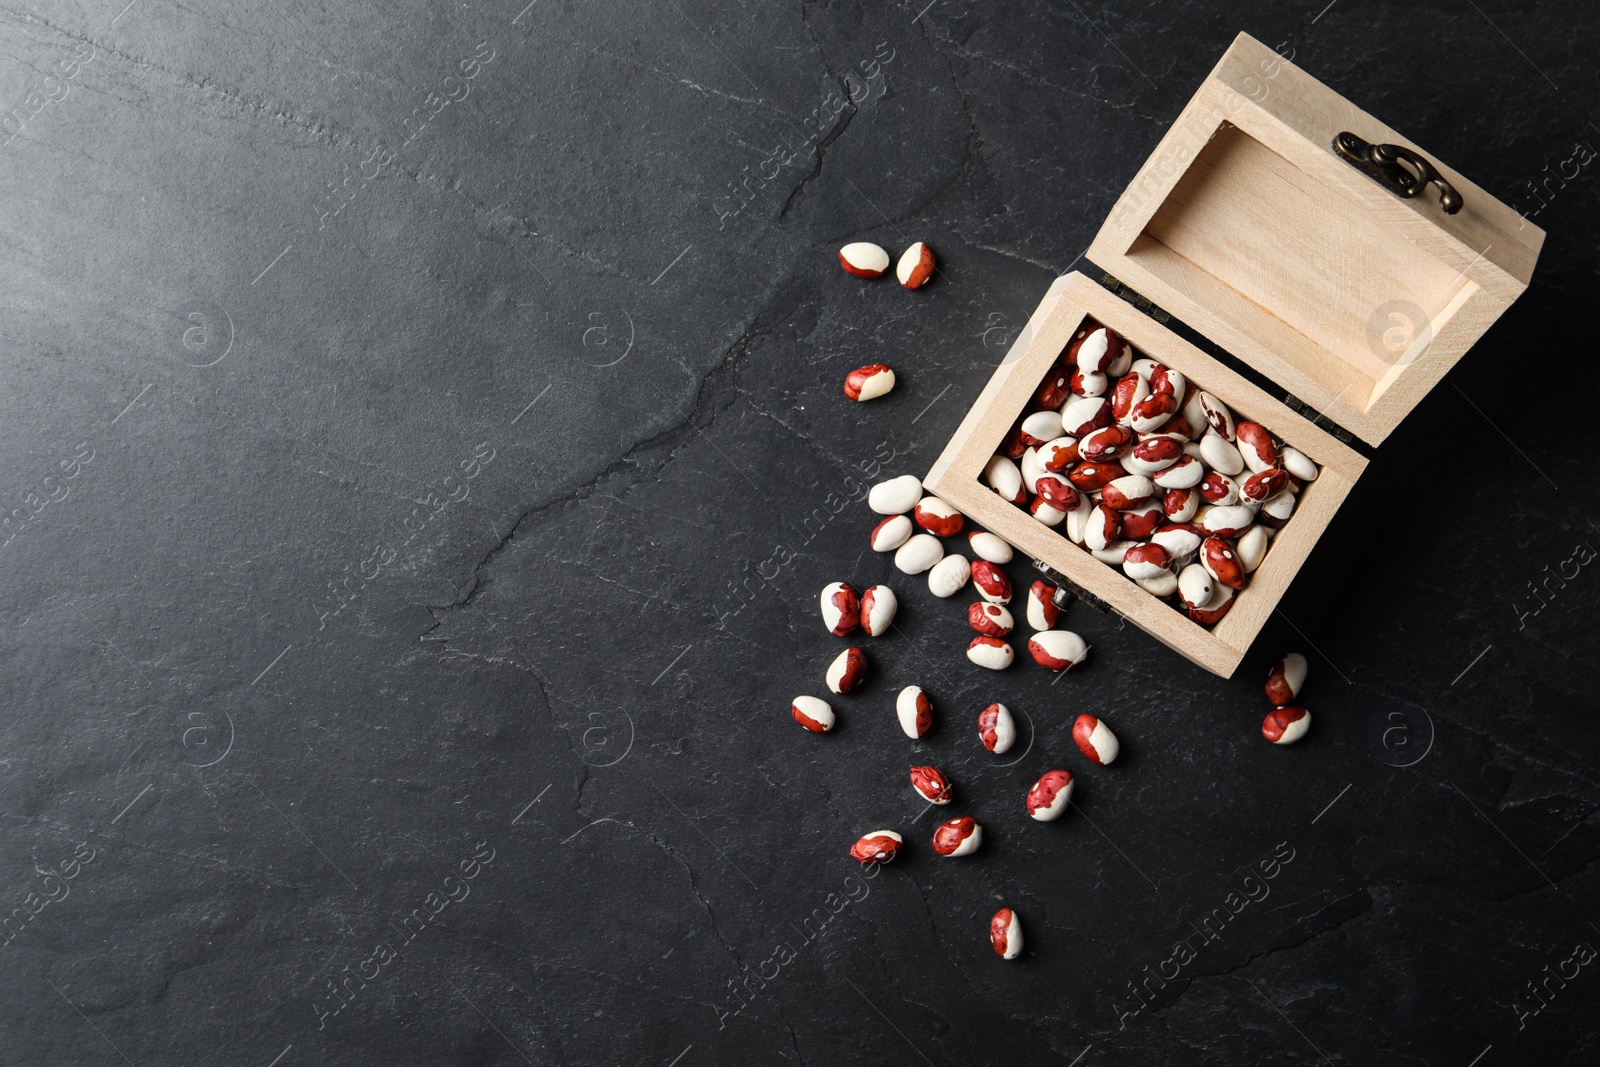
(1246, 232)
(1234, 629)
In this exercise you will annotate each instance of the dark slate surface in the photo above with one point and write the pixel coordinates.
(423, 447)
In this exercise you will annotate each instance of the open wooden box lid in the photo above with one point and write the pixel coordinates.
(1250, 227)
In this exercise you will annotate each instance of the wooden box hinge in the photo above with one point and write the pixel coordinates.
(1066, 589)
(1135, 299)
(1317, 418)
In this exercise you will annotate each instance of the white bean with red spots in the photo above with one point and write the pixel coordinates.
(878, 605)
(891, 533)
(990, 652)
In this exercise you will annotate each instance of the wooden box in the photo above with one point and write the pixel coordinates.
(1354, 290)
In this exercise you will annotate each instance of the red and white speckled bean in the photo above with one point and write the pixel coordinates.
(1142, 520)
(1256, 445)
(990, 620)
(1050, 795)
(1146, 561)
(960, 836)
(1042, 611)
(814, 714)
(1005, 934)
(878, 605)
(1057, 650)
(1286, 678)
(1217, 416)
(1095, 739)
(1222, 563)
(914, 709)
(1083, 415)
(1186, 473)
(877, 846)
(891, 533)
(1180, 505)
(841, 609)
(1103, 528)
(990, 652)
(847, 670)
(1252, 547)
(1195, 585)
(1228, 520)
(1276, 511)
(991, 582)
(938, 517)
(1163, 584)
(1040, 427)
(1285, 726)
(931, 784)
(996, 728)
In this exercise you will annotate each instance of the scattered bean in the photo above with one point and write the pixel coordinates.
(960, 836)
(937, 517)
(869, 382)
(1286, 678)
(1050, 795)
(841, 609)
(914, 709)
(919, 553)
(990, 620)
(1095, 739)
(991, 582)
(1042, 610)
(1285, 726)
(931, 784)
(996, 729)
(864, 259)
(990, 652)
(847, 670)
(949, 575)
(895, 496)
(879, 846)
(1005, 934)
(878, 605)
(988, 547)
(891, 533)
(1057, 650)
(916, 266)
(814, 714)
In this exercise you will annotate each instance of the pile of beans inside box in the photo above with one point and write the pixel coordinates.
(1150, 473)
(1144, 469)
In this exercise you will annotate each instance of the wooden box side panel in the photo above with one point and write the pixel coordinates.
(956, 477)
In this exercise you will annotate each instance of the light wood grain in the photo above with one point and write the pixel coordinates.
(1247, 226)
(956, 476)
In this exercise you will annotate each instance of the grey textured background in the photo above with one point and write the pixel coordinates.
(409, 414)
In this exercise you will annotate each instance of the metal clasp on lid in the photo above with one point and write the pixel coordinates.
(1397, 168)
